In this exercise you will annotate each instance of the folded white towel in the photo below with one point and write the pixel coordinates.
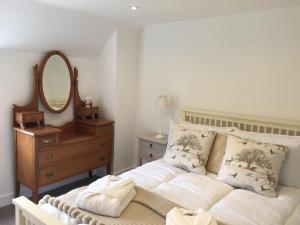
(178, 216)
(107, 196)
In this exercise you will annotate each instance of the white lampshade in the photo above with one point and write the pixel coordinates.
(162, 102)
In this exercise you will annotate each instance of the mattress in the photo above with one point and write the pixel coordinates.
(197, 192)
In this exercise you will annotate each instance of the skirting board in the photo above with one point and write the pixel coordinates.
(6, 199)
(124, 170)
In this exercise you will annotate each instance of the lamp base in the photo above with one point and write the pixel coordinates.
(160, 136)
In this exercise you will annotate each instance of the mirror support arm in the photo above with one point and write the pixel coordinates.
(33, 105)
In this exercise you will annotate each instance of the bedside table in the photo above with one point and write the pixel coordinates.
(151, 148)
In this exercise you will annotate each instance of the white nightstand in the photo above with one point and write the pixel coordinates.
(151, 148)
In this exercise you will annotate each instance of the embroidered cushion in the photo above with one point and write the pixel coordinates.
(218, 148)
(289, 173)
(189, 148)
(252, 165)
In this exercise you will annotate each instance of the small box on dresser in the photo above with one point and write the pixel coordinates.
(151, 148)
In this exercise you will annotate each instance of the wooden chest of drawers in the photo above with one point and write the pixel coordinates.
(47, 154)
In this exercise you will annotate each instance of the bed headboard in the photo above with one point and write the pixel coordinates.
(242, 122)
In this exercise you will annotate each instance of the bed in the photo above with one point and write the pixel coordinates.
(227, 205)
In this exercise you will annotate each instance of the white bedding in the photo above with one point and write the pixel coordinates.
(227, 205)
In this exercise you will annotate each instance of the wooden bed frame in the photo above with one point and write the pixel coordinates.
(28, 213)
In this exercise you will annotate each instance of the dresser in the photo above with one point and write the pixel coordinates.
(151, 148)
(45, 154)
(48, 154)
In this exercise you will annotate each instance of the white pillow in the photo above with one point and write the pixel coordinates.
(252, 165)
(290, 171)
(189, 148)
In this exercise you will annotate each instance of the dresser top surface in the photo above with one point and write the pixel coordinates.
(39, 131)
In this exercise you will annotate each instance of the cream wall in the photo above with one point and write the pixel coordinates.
(246, 63)
(126, 98)
(118, 70)
(16, 88)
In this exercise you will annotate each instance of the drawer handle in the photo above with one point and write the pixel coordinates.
(48, 175)
(103, 144)
(151, 145)
(47, 141)
(151, 155)
(49, 156)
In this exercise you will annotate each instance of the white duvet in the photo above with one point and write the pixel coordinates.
(227, 205)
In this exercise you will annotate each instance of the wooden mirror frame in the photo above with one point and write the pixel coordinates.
(33, 105)
(41, 73)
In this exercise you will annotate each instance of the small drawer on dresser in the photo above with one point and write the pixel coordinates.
(155, 148)
(105, 131)
(80, 164)
(67, 152)
(47, 141)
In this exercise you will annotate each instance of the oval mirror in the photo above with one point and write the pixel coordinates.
(56, 78)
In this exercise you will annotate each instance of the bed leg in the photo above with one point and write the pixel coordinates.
(91, 174)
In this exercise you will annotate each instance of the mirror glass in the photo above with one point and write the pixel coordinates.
(56, 82)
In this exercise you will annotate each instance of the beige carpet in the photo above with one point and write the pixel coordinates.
(7, 214)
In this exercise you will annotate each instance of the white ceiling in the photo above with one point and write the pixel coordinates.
(82, 27)
(161, 11)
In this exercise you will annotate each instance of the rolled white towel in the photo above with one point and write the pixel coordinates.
(179, 216)
(107, 196)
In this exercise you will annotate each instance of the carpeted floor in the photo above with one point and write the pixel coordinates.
(7, 214)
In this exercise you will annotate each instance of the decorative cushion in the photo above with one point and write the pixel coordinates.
(290, 171)
(216, 153)
(189, 148)
(252, 165)
(218, 148)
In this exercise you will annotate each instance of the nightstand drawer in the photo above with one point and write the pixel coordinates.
(150, 156)
(152, 147)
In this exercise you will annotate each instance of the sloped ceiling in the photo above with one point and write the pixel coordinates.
(33, 26)
(82, 27)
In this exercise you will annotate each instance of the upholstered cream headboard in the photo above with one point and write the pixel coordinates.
(243, 122)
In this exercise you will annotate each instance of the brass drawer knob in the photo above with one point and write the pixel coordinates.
(47, 141)
(48, 175)
(49, 156)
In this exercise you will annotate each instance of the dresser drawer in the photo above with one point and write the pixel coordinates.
(67, 152)
(80, 164)
(47, 141)
(146, 146)
(105, 131)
